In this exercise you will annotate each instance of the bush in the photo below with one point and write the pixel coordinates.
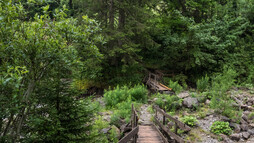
(223, 81)
(220, 127)
(167, 102)
(190, 120)
(120, 94)
(203, 83)
(177, 88)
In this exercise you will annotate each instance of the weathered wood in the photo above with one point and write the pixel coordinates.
(161, 135)
(179, 123)
(130, 135)
(173, 135)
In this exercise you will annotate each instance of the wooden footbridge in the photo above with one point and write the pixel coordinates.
(152, 81)
(158, 132)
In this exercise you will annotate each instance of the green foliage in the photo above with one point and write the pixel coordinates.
(177, 88)
(168, 102)
(203, 84)
(190, 120)
(119, 94)
(222, 82)
(219, 127)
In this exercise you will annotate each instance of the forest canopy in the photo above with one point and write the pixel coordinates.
(53, 51)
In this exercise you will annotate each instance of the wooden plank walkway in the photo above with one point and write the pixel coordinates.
(148, 134)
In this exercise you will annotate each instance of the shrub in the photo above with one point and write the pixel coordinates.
(220, 127)
(120, 94)
(167, 102)
(177, 88)
(223, 81)
(203, 83)
(190, 120)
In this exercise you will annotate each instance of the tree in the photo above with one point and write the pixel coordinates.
(43, 54)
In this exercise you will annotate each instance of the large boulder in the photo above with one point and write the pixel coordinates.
(190, 102)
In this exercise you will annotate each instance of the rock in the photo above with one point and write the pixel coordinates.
(225, 138)
(251, 131)
(246, 135)
(207, 102)
(190, 102)
(244, 127)
(117, 131)
(245, 118)
(236, 136)
(183, 95)
(236, 127)
(105, 130)
(171, 124)
(250, 140)
(155, 99)
(251, 125)
(243, 121)
(225, 119)
(249, 103)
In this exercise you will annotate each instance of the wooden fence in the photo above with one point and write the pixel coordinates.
(133, 134)
(177, 125)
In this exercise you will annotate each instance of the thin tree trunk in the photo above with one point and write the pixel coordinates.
(111, 14)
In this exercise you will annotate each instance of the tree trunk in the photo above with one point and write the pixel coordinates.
(111, 14)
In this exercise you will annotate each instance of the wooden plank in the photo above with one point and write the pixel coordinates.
(171, 134)
(179, 123)
(163, 138)
(165, 86)
(131, 134)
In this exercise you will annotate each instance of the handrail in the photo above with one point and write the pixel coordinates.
(135, 128)
(178, 124)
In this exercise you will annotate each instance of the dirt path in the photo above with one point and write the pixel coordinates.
(145, 116)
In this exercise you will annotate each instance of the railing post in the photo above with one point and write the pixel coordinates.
(164, 118)
(132, 116)
(175, 128)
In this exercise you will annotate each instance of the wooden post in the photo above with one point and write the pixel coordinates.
(164, 118)
(132, 117)
(175, 128)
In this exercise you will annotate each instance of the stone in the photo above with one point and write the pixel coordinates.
(183, 95)
(251, 131)
(207, 102)
(244, 127)
(236, 136)
(190, 102)
(236, 127)
(246, 135)
(251, 125)
(117, 131)
(225, 138)
(155, 99)
(105, 130)
(245, 118)
(249, 103)
(225, 119)
(243, 121)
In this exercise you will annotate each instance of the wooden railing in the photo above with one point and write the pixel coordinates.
(177, 125)
(133, 134)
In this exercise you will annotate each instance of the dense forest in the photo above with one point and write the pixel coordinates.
(66, 66)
